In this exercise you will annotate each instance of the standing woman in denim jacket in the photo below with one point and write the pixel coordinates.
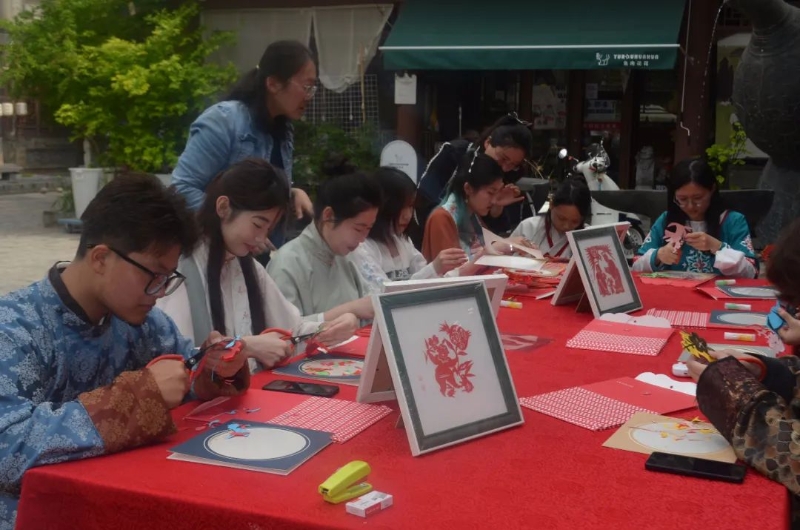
(254, 120)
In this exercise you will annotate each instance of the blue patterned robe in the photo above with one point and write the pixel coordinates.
(49, 356)
(735, 258)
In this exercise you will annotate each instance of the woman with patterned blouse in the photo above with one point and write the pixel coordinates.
(707, 236)
(756, 406)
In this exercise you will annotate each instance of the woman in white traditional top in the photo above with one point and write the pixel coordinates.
(226, 289)
(388, 254)
(570, 207)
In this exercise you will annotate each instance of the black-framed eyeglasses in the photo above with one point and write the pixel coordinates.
(157, 281)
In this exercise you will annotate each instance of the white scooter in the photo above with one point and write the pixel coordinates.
(594, 171)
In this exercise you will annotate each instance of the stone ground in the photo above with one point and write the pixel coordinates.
(27, 249)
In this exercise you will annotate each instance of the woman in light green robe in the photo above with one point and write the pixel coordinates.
(313, 271)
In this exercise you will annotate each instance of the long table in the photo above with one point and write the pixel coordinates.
(545, 474)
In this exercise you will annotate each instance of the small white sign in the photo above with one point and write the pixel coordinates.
(591, 90)
(405, 89)
(399, 154)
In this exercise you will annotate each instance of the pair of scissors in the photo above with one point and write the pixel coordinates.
(294, 340)
(232, 347)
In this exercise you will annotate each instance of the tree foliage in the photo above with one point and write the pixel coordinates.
(133, 88)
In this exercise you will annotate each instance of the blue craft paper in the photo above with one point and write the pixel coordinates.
(196, 448)
(293, 369)
(715, 317)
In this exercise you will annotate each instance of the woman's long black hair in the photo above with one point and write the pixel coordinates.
(250, 185)
(697, 171)
(281, 60)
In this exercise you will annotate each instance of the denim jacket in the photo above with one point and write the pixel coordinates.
(221, 136)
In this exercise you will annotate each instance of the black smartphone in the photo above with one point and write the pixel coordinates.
(696, 467)
(295, 387)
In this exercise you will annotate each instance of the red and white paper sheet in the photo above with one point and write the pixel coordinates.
(624, 334)
(682, 319)
(608, 404)
(343, 419)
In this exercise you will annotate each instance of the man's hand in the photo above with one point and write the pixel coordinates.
(216, 350)
(172, 379)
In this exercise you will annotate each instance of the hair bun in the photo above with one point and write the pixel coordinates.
(337, 165)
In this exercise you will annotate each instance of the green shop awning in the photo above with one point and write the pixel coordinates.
(534, 34)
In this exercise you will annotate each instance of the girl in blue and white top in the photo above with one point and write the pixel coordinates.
(719, 240)
(388, 254)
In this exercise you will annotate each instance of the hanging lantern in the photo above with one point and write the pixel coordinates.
(8, 109)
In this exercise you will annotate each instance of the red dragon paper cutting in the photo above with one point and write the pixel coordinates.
(607, 275)
(453, 371)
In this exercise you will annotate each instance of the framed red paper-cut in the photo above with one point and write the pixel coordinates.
(604, 271)
(447, 365)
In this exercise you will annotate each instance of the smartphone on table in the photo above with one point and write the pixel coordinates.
(696, 467)
(296, 387)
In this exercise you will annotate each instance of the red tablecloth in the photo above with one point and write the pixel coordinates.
(545, 474)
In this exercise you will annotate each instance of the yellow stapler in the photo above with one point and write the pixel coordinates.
(345, 483)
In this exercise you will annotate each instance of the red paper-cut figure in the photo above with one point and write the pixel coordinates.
(676, 235)
(607, 275)
(451, 373)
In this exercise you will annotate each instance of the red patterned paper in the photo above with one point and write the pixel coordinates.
(583, 408)
(343, 419)
(682, 319)
(618, 337)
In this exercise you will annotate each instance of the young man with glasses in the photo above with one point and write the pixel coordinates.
(79, 374)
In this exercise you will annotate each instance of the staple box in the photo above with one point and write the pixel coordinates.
(367, 504)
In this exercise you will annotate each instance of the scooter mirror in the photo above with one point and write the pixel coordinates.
(562, 154)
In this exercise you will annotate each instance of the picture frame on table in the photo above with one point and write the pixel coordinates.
(376, 384)
(447, 364)
(570, 288)
(606, 277)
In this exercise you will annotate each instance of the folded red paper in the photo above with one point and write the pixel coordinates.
(607, 404)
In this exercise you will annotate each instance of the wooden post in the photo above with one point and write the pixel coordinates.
(692, 131)
(526, 95)
(576, 93)
(630, 123)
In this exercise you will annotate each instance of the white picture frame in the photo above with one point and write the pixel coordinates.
(570, 288)
(604, 271)
(495, 286)
(447, 364)
(376, 384)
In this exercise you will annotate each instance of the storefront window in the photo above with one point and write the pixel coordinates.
(549, 109)
(654, 142)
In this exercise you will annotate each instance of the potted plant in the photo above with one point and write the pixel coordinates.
(722, 158)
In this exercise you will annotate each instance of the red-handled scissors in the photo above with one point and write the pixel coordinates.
(294, 340)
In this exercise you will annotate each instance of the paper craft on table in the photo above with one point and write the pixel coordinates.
(648, 433)
(621, 333)
(355, 345)
(324, 367)
(682, 319)
(494, 258)
(745, 319)
(253, 446)
(343, 419)
(609, 403)
(758, 350)
(676, 278)
(522, 343)
(253, 405)
(742, 289)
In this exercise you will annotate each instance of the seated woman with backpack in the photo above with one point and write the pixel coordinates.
(226, 289)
